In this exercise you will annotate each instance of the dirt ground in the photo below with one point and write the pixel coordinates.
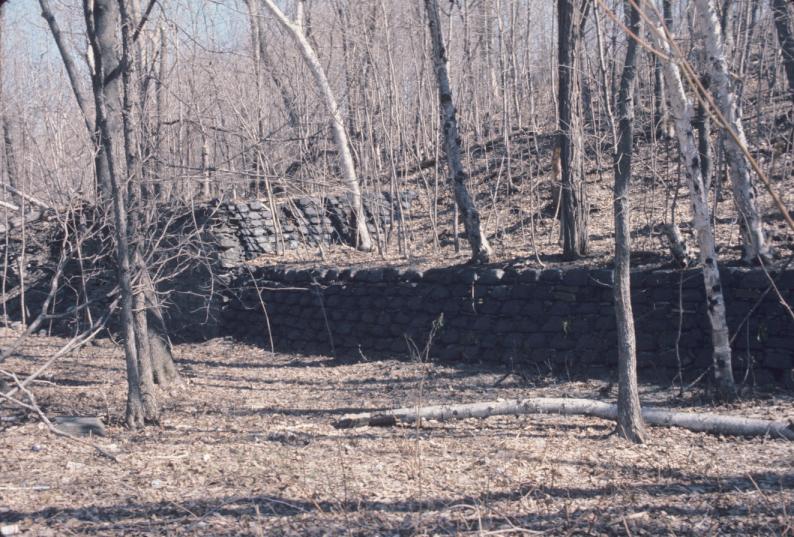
(247, 447)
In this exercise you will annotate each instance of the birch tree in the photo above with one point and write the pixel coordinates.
(480, 249)
(630, 423)
(295, 30)
(682, 112)
(754, 247)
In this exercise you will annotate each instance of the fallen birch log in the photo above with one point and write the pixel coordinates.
(700, 422)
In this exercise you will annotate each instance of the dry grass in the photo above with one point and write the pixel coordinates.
(246, 448)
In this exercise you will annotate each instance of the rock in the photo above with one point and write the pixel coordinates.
(80, 425)
(492, 276)
(11, 529)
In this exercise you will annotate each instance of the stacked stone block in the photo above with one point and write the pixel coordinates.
(247, 229)
(549, 319)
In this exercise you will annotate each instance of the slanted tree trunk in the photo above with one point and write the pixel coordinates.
(71, 70)
(480, 249)
(785, 36)
(699, 422)
(630, 424)
(96, 31)
(754, 247)
(681, 109)
(678, 246)
(574, 194)
(337, 123)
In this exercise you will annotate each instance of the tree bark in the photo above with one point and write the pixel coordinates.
(480, 249)
(681, 109)
(133, 180)
(699, 422)
(106, 24)
(661, 117)
(8, 138)
(163, 366)
(337, 123)
(785, 36)
(630, 424)
(574, 194)
(95, 29)
(754, 247)
(678, 246)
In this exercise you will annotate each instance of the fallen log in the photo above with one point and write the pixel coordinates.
(699, 422)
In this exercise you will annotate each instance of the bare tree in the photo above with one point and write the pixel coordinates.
(682, 111)
(97, 31)
(574, 214)
(630, 423)
(754, 244)
(346, 165)
(481, 250)
(785, 35)
(12, 172)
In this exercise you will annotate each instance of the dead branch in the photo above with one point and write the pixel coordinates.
(9, 206)
(33, 406)
(699, 422)
(32, 199)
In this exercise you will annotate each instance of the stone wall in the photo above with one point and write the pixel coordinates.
(539, 318)
(247, 229)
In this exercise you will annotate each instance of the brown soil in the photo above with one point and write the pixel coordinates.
(246, 447)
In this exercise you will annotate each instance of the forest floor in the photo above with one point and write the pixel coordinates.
(514, 189)
(518, 203)
(247, 447)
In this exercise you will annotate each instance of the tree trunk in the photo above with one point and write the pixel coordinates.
(681, 110)
(574, 196)
(106, 25)
(96, 32)
(337, 123)
(262, 55)
(630, 424)
(163, 366)
(8, 139)
(71, 70)
(785, 37)
(754, 247)
(678, 246)
(661, 120)
(148, 395)
(480, 249)
(133, 180)
(699, 422)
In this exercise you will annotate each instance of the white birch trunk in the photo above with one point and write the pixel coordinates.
(699, 422)
(754, 247)
(681, 110)
(481, 250)
(346, 165)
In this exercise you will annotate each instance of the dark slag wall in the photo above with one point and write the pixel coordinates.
(549, 318)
